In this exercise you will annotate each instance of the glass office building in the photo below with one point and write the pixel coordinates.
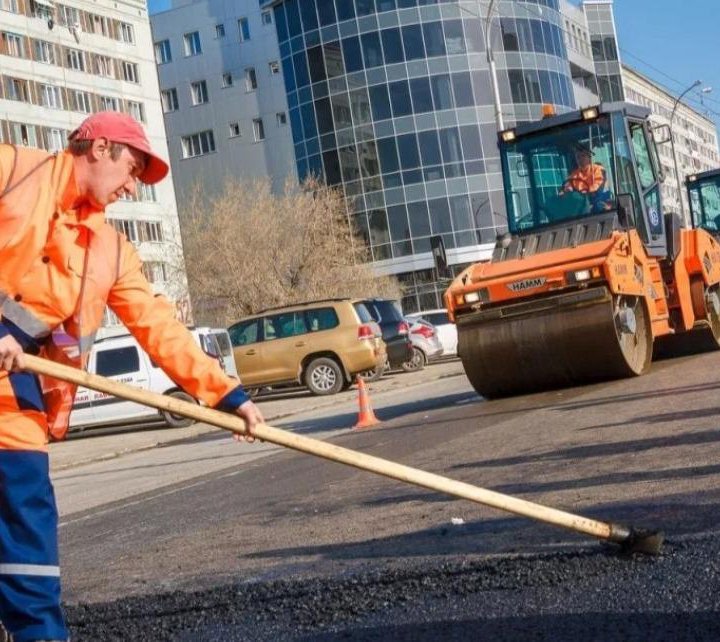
(391, 101)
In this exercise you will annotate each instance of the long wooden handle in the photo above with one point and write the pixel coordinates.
(234, 423)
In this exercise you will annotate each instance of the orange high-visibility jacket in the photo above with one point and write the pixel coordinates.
(59, 267)
(587, 180)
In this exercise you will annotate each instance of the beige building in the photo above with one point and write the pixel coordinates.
(696, 139)
(61, 62)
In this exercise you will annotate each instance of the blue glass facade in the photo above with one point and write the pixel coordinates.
(391, 101)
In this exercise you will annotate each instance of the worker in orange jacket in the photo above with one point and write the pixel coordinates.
(61, 264)
(588, 178)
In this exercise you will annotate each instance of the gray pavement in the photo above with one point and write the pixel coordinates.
(287, 547)
(100, 444)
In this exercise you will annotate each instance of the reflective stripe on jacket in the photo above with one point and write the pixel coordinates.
(59, 268)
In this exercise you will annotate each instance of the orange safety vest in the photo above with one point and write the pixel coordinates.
(59, 268)
(589, 179)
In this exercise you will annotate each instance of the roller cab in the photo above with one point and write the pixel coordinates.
(591, 270)
(704, 198)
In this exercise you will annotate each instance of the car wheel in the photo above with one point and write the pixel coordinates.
(416, 362)
(324, 376)
(178, 421)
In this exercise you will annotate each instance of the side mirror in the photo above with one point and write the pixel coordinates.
(662, 134)
(626, 210)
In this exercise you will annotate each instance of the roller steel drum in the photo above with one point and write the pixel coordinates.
(562, 340)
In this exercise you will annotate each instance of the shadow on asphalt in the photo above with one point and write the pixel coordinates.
(601, 450)
(677, 516)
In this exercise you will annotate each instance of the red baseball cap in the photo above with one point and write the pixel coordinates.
(123, 128)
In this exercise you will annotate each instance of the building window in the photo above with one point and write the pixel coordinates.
(17, 89)
(109, 103)
(99, 25)
(192, 43)
(81, 101)
(227, 80)
(9, 5)
(163, 53)
(13, 44)
(56, 140)
(51, 97)
(198, 144)
(281, 118)
(126, 227)
(69, 16)
(23, 134)
(43, 10)
(104, 66)
(235, 130)
(244, 29)
(127, 33)
(76, 59)
(150, 231)
(250, 79)
(199, 92)
(155, 271)
(266, 17)
(274, 67)
(136, 110)
(220, 31)
(258, 129)
(130, 72)
(44, 52)
(146, 193)
(169, 99)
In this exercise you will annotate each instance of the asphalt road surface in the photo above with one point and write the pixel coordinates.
(209, 539)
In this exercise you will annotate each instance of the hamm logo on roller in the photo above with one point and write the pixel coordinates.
(527, 284)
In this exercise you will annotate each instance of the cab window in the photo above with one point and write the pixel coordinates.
(117, 361)
(648, 179)
(642, 154)
(243, 333)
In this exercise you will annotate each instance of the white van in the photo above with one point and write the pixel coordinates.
(122, 359)
(227, 356)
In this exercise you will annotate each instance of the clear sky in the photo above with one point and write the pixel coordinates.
(673, 42)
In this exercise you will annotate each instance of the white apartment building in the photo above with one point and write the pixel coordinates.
(60, 62)
(695, 136)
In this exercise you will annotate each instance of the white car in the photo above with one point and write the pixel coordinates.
(425, 344)
(447, 331)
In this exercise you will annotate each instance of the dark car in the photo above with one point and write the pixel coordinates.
(395, 329)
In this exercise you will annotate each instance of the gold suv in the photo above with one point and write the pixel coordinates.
(322, 344)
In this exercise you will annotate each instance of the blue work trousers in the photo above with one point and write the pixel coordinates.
(29, 572)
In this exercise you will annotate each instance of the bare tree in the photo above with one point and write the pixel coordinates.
(249, 249)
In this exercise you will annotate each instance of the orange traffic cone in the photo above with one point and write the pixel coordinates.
(366, 416)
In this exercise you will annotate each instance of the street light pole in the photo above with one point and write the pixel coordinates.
(672, 143)
(491, 62)
(493, 70)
